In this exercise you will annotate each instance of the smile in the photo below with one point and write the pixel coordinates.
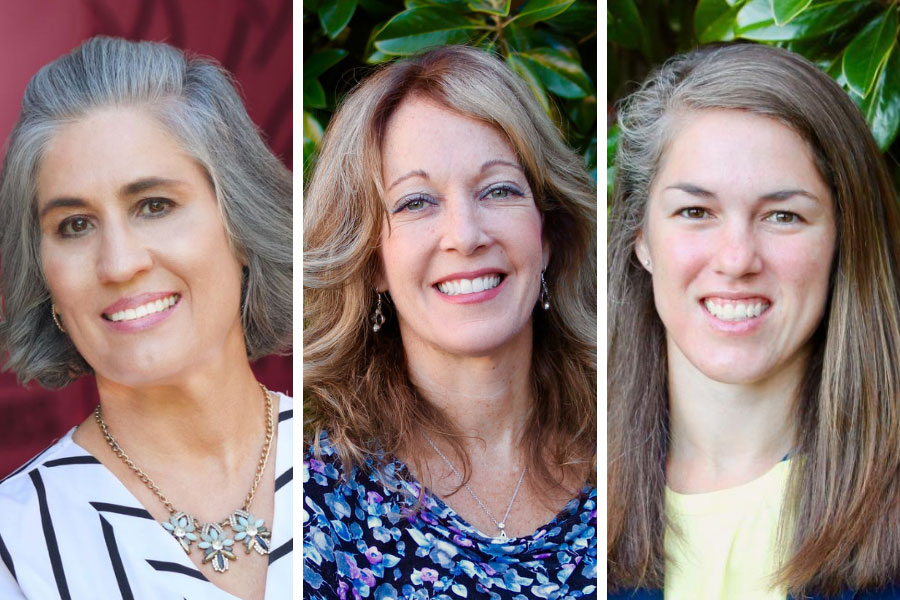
(736, 310)
(143, 310)
(456, 287)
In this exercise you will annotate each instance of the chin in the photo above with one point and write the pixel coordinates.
(735, 371)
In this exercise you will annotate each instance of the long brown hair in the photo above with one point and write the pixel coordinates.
(356, 385)
(841, 523)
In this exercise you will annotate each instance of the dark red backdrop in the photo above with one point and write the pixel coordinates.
(251, 38)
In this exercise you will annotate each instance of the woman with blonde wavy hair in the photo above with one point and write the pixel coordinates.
(754, 380)
(449, 343)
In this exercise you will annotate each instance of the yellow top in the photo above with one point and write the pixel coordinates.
(727, 548)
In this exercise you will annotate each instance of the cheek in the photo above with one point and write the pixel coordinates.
(677, 257)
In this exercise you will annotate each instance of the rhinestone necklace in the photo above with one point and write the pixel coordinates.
(501, 525)
(217, 544)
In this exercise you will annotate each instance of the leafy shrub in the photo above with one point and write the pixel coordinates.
(854, 41)
(551, 44)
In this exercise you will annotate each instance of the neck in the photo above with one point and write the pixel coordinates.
(726, 434)
(488, 398)
(214, 416)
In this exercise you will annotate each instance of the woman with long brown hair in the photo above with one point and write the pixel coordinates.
(754, 381)
(449, 342)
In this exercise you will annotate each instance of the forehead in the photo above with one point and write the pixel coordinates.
(422, 134)
(108, 148)
(734, 150)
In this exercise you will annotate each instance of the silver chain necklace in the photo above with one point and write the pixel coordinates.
(501, 525)
(212, 539)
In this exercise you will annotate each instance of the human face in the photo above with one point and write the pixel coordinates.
(740, 235)
(129, 222)
(461, 251)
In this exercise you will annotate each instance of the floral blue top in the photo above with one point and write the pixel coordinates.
(360, 540)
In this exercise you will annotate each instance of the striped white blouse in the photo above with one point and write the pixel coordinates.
(70, 529)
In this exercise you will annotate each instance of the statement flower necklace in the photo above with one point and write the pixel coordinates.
(213, 539)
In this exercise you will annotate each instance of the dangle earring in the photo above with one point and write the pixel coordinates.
(56, 318)
(377, 317)
(545, 293)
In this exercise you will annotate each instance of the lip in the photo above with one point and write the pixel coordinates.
(470, 275)
(474, 297)
(135, 301)
(141, 323)
(737, 328)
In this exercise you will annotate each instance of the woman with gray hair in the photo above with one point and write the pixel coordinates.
(449, 346)
(146, 240)
(753, 376)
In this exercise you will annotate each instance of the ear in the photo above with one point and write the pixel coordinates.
(642, 251)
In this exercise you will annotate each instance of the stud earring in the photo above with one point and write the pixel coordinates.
(646, 262)
(56, 318)
(377, 317)
(545, 293)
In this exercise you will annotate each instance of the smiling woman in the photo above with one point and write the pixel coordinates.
(754, 386)
(449, 344)
(146, 240)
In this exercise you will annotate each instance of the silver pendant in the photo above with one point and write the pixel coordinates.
(502, 537)
(218, 547)
(251, 531)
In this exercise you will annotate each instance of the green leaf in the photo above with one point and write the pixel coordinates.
(335, 14)
(313, 93)
(590, 155)
(882, 106)
(320, 62)
(522, 69)
(612, 142)
(582, 113)
(624, 25)
(785, 10)
(420, 28)
(491, 7)
(559, 73)
(540, 10)
(715, 20)
(312, 140)
(755, 20)
(869, 50)
(578, 21)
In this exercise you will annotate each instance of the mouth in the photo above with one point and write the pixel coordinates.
(457, 287)
(736, 310)
(144, 310)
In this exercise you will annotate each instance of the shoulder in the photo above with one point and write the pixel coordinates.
(22, 486)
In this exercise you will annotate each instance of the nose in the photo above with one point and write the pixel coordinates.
(737, 253)
(122, 254)
(463, 226)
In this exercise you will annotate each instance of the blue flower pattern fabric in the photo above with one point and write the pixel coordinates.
(361, 540)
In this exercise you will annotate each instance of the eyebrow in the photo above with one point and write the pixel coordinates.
(129, 189)
(487, 165)
(776, 196)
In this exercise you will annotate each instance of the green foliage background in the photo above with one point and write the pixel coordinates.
(551, 44)
(854, 41)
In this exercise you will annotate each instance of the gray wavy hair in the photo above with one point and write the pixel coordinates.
(195, 100)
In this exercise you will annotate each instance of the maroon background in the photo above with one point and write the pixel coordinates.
(251, 38)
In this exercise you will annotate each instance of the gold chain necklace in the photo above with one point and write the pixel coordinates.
(217, 544)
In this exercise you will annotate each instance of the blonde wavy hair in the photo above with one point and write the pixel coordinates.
(356, 385)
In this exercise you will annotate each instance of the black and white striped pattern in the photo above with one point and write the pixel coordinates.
(69, 529)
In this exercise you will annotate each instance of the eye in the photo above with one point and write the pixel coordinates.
(414, 204)
(154, 207)
(783, 217)
(499, 192)
(74, 226)
(694, 213)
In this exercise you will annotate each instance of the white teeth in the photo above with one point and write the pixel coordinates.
(739, 311)
(143, 310)
(469, 286)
